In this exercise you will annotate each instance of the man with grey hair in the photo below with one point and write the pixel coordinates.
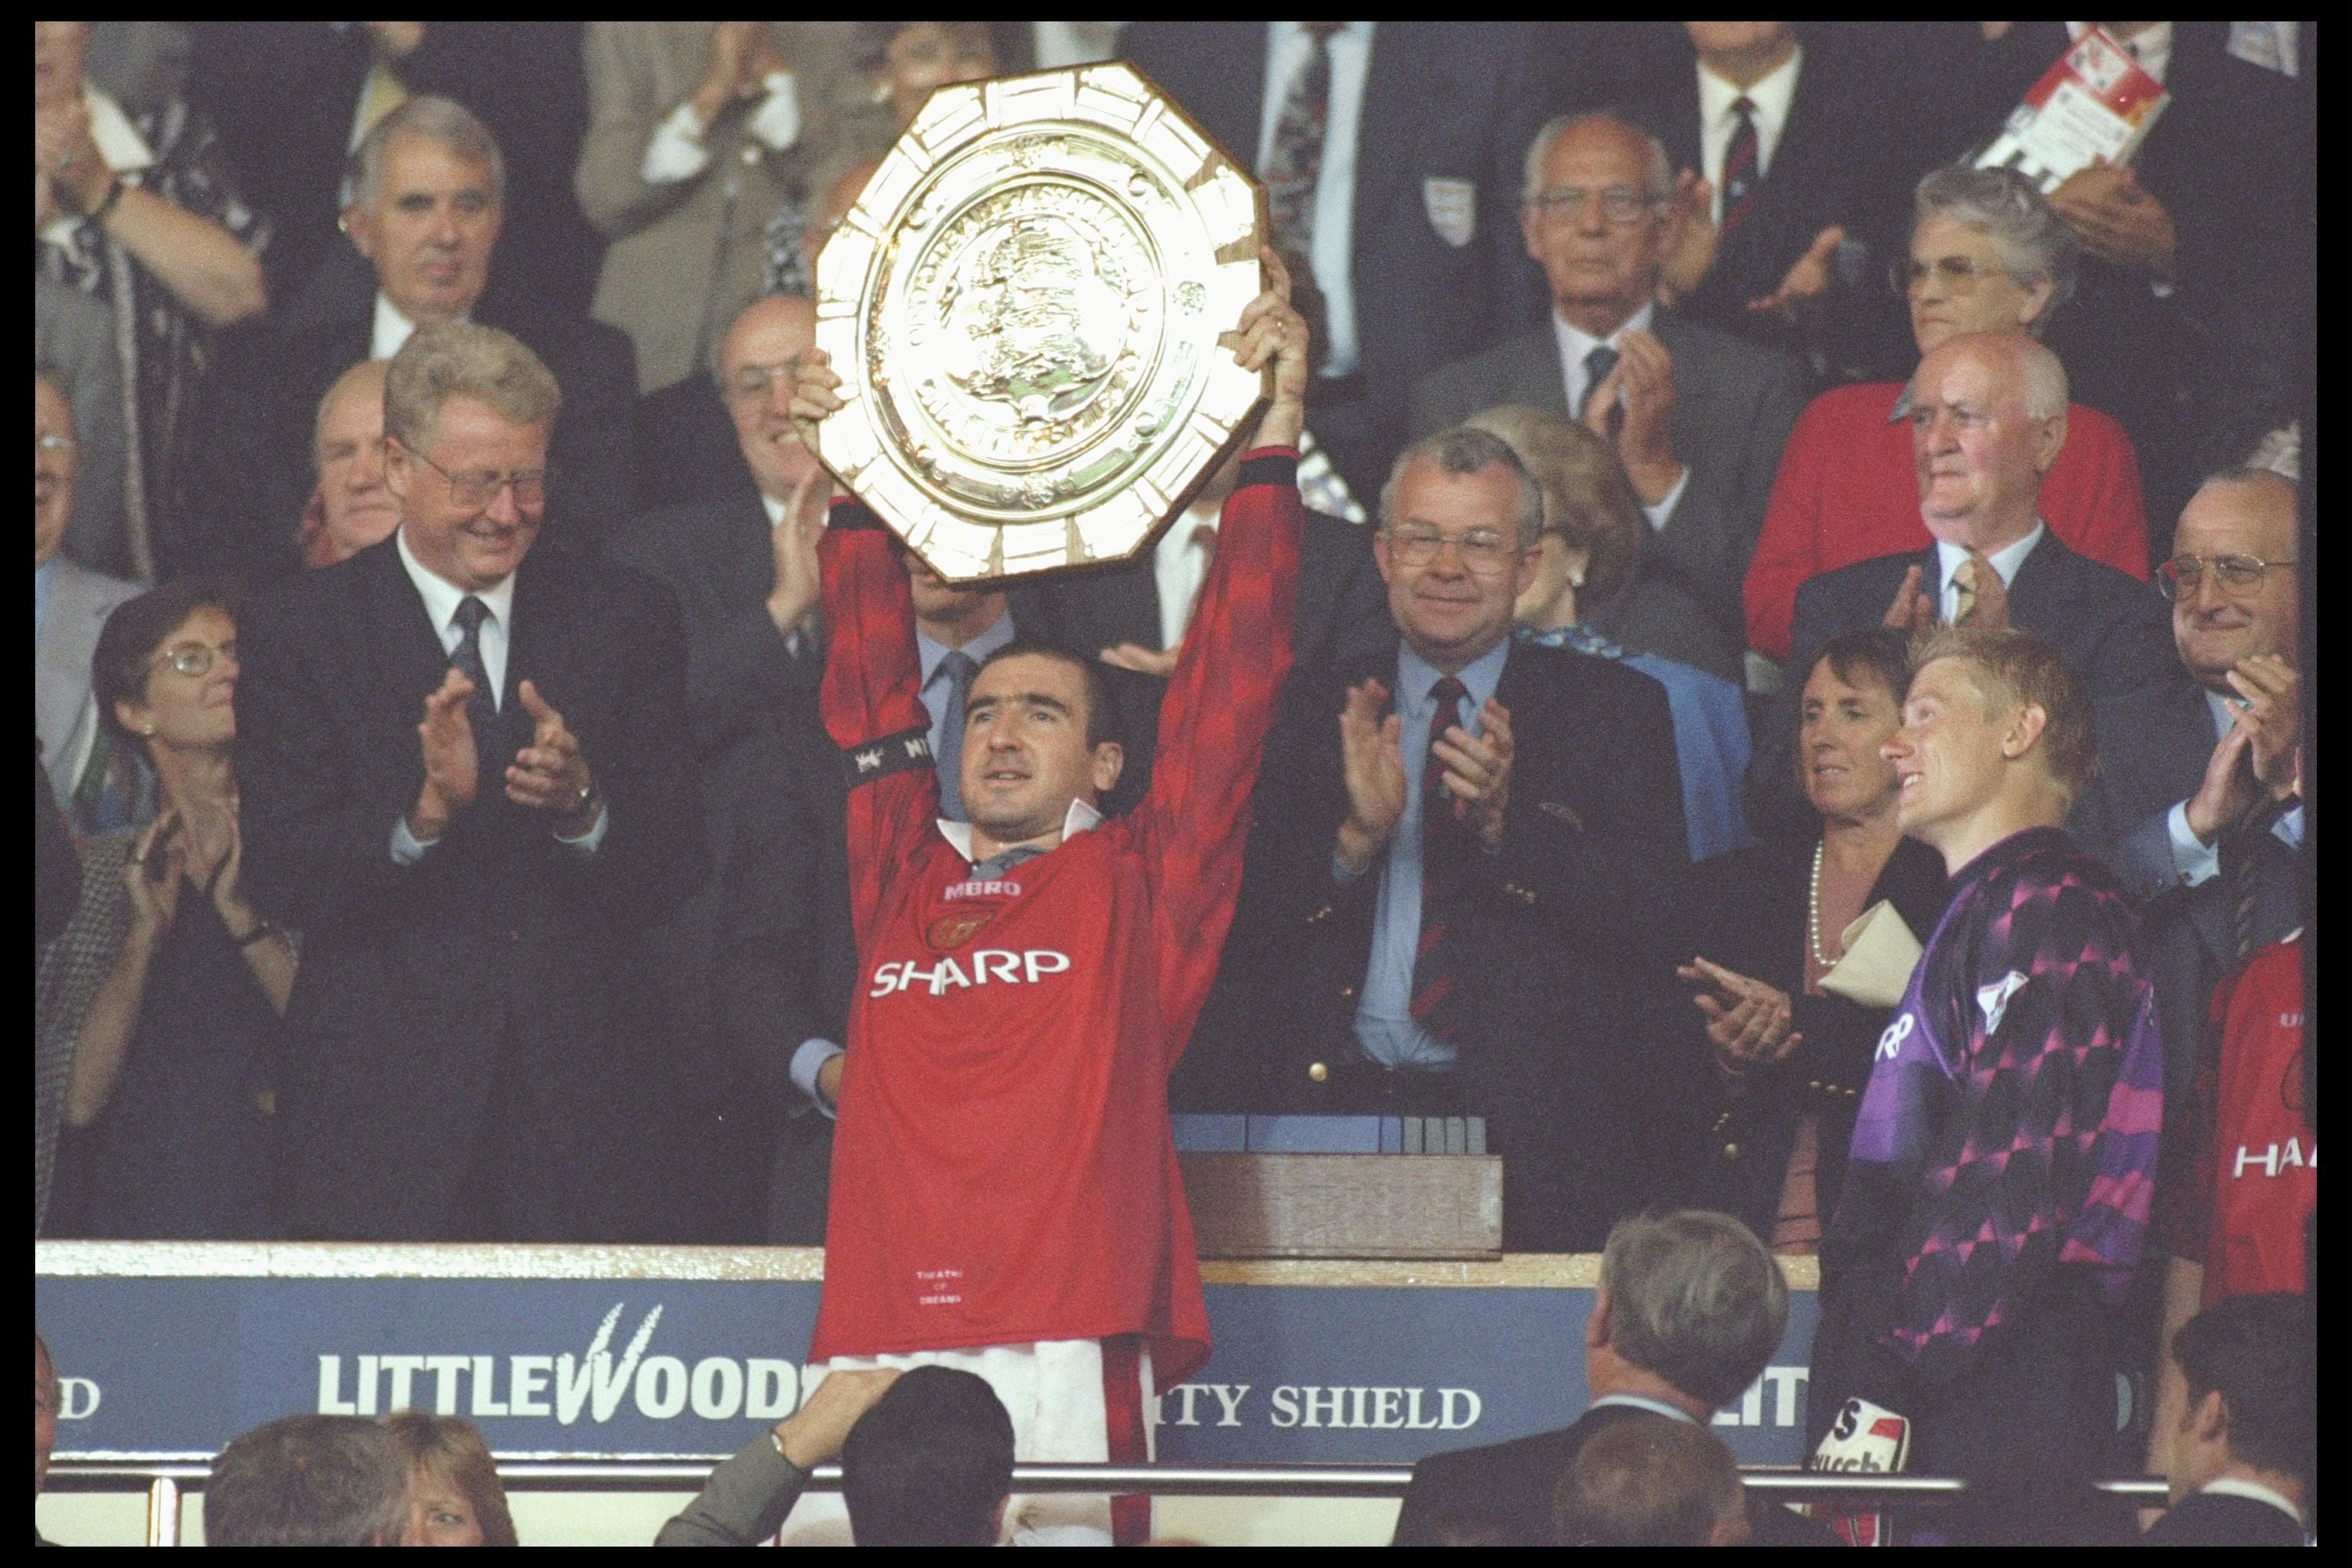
(1689, 1311)
(1988, 420)
(428, 207)
(465, 771)
(1463, 852)
(310, 1480)
(1698, 417)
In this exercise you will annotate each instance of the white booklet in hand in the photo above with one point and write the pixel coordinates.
(2094, 106)
(1880, 953)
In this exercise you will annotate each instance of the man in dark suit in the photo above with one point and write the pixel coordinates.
(1454, 900)
(425, 215)
(465, 783)
(1690, 1291)
(2195, 305)
(1698, 417)
(1390, 150)
(1789, 152)
(2243, 1460)
(1987, 418)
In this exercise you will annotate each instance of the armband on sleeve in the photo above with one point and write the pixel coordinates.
(879, 759)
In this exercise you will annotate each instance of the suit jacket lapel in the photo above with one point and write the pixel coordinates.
(1694, 386)
(2041, 580)
(1396, 87)
(1537, 379)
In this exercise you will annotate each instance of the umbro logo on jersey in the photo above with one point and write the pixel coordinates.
(990, 889)
(987, 966)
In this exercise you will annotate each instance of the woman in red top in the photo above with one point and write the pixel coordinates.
(1987, 255)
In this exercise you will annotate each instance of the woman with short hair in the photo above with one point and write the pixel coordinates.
(1987, 255)
(455, 1497)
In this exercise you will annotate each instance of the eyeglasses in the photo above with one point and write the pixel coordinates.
(1958, 274)
(1620, 205)
(47, 441)
(1484, 551)
(480, 489)
(196, 658)
(756, 380)
(2180, 577)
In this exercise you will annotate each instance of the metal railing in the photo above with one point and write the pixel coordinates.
(167, 1482)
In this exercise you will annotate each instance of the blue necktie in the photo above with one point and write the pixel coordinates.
(1597, 366)
(482, 706)
(959, 668)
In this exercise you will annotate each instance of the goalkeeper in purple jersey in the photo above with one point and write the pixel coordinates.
(2005, 1149)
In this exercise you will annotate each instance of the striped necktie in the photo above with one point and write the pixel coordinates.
(1294, 162)
(1741, 175)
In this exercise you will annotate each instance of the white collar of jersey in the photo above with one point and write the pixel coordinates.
(1075, 821)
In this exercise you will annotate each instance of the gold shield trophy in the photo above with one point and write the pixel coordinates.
(1031, 309)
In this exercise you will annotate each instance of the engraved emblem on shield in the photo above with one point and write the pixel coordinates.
(1025, 308)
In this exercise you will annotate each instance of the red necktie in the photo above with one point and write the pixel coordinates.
(1740, 174)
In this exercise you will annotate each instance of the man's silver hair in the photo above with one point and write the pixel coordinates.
(2041, 376)
(1659, 167)
(444, 120)
(1696, 1298)
(1468, 450)
(2034, 244)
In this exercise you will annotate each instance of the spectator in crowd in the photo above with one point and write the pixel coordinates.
(2012, 1104)
(698, 131)
(747, 1498)
(1690, 1310)
(1988, 416)
(1651, 1483)
(930, 1464)
(71, 604)
(1987, 255)
(455, 1497)
(45, 1420)
(310, 1480)
(1787, 1057)
(1390, 150)
(469, 883)
(2241, 1181)
(1600, 571)
(2243, 1457)
(293, 99)
(167, 984)
(140, 212)
(73, 343)
(906, 62)
(1698, 418)
(1786, 143)
(352, 508)
(427, 208)
(1592, 542)
(57, 864)
(1457, 898)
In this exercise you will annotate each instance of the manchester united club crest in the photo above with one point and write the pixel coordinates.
(957, 927)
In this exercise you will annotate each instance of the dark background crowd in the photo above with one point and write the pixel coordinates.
(1793, 380)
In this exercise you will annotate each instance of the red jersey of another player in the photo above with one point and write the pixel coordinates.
(1002, 1170)
(2241, 1206)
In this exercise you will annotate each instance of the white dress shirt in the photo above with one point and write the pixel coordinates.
(2005, 562)
(1643, 1402)
(441, 601)
(813, 1054)
(1287, 47)
(1771, 96)
(392, 329)
(1576, 345)
(2255, 1491)
(1180, 565)
(677, 151)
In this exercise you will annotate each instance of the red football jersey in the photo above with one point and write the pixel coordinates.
(2256, 1176)
(1002, 1170)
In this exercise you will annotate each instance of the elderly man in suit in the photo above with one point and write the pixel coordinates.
(428, 206)
(465, 771)
(1689, 1311)
(1390, 150)
(73, 335)
(71, 604)
(1463, 853)
(1696, 417)
(1988, 418)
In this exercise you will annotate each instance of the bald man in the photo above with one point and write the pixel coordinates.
(351, 508)
(1987, 418)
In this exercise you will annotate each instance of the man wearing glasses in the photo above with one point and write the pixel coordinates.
(465, 783)
(1464, 855)
(1698, 418)
(1988, 419)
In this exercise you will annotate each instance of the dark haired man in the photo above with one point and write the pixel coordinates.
(2242, 1455)
(931, 1464)
(1005, 1194)
(2003, 1156)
